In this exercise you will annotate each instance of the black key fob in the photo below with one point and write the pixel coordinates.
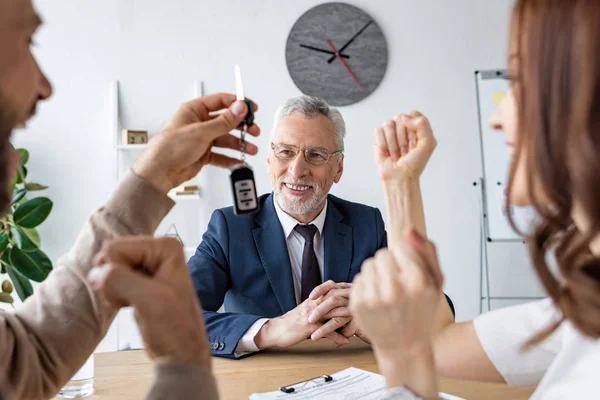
(249, 119)
(245, 200)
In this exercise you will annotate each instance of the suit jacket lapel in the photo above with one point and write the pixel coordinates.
(272, 249)
(338, 246)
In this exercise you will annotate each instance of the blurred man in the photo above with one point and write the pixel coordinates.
(47, 340)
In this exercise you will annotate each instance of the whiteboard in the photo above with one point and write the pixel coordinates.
(491, 88)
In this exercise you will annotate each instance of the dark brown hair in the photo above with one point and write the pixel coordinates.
(557, 92)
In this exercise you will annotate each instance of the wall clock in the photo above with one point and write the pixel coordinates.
(337, 52)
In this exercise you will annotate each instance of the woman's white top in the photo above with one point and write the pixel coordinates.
(565, 366)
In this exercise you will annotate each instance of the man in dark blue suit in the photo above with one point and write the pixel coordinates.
(268, 269)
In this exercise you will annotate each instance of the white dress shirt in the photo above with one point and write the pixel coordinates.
(295, 246)
(565, 366)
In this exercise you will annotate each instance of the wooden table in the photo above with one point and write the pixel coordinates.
(127, 375)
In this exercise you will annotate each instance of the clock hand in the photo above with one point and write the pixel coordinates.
(337, 54)
(351, 40)
(321, 50)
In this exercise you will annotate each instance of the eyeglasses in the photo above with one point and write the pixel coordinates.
(312, 155)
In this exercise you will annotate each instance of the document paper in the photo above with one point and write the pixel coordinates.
(349, 384)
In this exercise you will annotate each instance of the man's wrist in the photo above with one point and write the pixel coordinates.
(156, 178)
(262, 338)
(177, 381)
(199, 356)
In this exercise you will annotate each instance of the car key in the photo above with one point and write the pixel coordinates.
(245, 199)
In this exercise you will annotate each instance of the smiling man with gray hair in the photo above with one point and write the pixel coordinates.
(301, 186)
(264, 267)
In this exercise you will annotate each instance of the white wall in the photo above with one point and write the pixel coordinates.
(156, 49)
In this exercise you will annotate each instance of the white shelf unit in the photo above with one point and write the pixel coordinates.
(115, 120)
(124, 333)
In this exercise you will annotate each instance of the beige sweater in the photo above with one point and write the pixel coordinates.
(54, 332)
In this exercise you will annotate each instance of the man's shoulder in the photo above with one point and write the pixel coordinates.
(352, 210)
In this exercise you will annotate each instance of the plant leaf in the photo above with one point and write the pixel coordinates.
(3, 241)
(6, 298)
(33, 212)
(24, 155)
(21, 174)
(21, 284)
(18, 195)
(27, 240)
(32, 187)
(15, 235)
(35, 265)
(6, 256)
(5, 260)
(33, 235)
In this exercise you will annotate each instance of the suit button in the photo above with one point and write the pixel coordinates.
(221, 346)
(213, 345)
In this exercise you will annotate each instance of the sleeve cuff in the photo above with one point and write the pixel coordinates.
(138, 205)
(246, 344)
(182, 381)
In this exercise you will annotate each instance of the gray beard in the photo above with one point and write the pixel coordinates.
(296, 206)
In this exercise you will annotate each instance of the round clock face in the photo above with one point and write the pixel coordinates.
(336, 51)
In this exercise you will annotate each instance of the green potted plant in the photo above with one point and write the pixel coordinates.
(20, 254)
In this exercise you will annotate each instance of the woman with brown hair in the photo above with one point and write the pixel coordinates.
(551, 118)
